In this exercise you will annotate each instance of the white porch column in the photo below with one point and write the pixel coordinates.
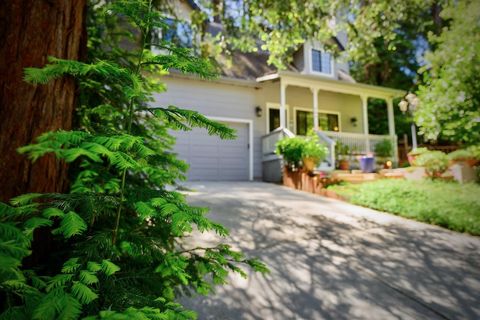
(315, 108)
(283, 121)
(365, 121)
(391, 118)
(391, 130)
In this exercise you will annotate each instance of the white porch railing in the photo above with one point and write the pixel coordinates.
(329, 163)
(358, 143)
(270, 140)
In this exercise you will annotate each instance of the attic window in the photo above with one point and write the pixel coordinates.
(321, 62)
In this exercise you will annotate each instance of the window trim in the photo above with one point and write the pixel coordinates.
(331, 75)
(295, 109)
(271, 105)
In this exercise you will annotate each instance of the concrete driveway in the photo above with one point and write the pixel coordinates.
(332, 260)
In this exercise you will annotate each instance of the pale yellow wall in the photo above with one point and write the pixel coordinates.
(296, 97)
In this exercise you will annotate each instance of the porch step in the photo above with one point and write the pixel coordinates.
(355, 177)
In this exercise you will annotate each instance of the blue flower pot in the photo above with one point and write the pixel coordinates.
(367, 164)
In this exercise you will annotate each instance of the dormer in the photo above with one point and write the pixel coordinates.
(313, 59)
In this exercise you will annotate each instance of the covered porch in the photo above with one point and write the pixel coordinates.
(336, 110)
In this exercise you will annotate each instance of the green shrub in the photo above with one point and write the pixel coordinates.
(313, 149)
(291, 149)
(384, 148)
(435, 162)
(459, 155)
(295, 149)
(418, 151)
(475, 151)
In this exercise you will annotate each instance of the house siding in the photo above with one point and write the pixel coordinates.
(216, 100)
(237, 101)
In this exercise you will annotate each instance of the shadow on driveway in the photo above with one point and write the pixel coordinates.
(333, 260)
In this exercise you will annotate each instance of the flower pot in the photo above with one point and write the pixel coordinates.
(343, 165)
(471, 162)
(367, 164)
(309, 164)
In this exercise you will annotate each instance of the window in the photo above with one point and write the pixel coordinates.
(321, 61)
(326, 121)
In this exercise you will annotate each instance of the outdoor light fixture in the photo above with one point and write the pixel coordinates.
(258, 111)
(410, 103)
(353, 121)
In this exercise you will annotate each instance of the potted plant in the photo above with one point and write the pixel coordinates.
(291, 149)
(412, 155)
(313, 153)
(383, 152)
(435, 163)
(462, 156)
(342, 153)
(301, 152)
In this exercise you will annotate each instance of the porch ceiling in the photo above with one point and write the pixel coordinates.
(327, 84)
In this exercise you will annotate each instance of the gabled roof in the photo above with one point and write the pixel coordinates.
(248, 66)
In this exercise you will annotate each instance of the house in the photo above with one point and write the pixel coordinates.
(264, 104)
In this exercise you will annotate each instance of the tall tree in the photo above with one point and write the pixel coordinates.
(32, 30)
(450, 97)
(120, 237)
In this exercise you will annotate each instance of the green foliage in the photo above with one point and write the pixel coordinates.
(459, 155)
(435, 162)
(341, 149)
(295, 149)
(313, 149)
(446, 204)
(384, 148)
(450, 97)
(418, 151)
(375, 29)
(475, 151)
(117, 240)
(291, 150)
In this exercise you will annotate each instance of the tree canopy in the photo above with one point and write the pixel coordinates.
(450, 95)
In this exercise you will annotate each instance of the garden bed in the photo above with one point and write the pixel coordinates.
(312, 183)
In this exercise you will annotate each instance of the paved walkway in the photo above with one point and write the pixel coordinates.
(333, 260)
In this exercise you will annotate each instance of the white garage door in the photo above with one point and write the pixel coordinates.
(211, 158)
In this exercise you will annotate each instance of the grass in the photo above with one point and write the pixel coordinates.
(447, 204)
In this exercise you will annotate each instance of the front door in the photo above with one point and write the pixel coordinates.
(274, 118)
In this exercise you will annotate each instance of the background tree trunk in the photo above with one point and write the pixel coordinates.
(32, 30)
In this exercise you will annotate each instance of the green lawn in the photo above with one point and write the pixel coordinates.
(447, 204)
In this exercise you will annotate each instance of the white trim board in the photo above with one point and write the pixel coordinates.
(250, 138)
(295, 109)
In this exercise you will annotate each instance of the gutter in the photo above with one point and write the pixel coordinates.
(222, 79)
(356, 85)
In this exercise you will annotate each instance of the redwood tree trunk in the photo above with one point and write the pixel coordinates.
(32, 30)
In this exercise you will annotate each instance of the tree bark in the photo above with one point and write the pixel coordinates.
(32, 30)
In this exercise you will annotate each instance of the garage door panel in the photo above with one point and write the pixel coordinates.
(204, 150)
(231, 162)
(211, 158)
(205, 165)
(207, 174)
